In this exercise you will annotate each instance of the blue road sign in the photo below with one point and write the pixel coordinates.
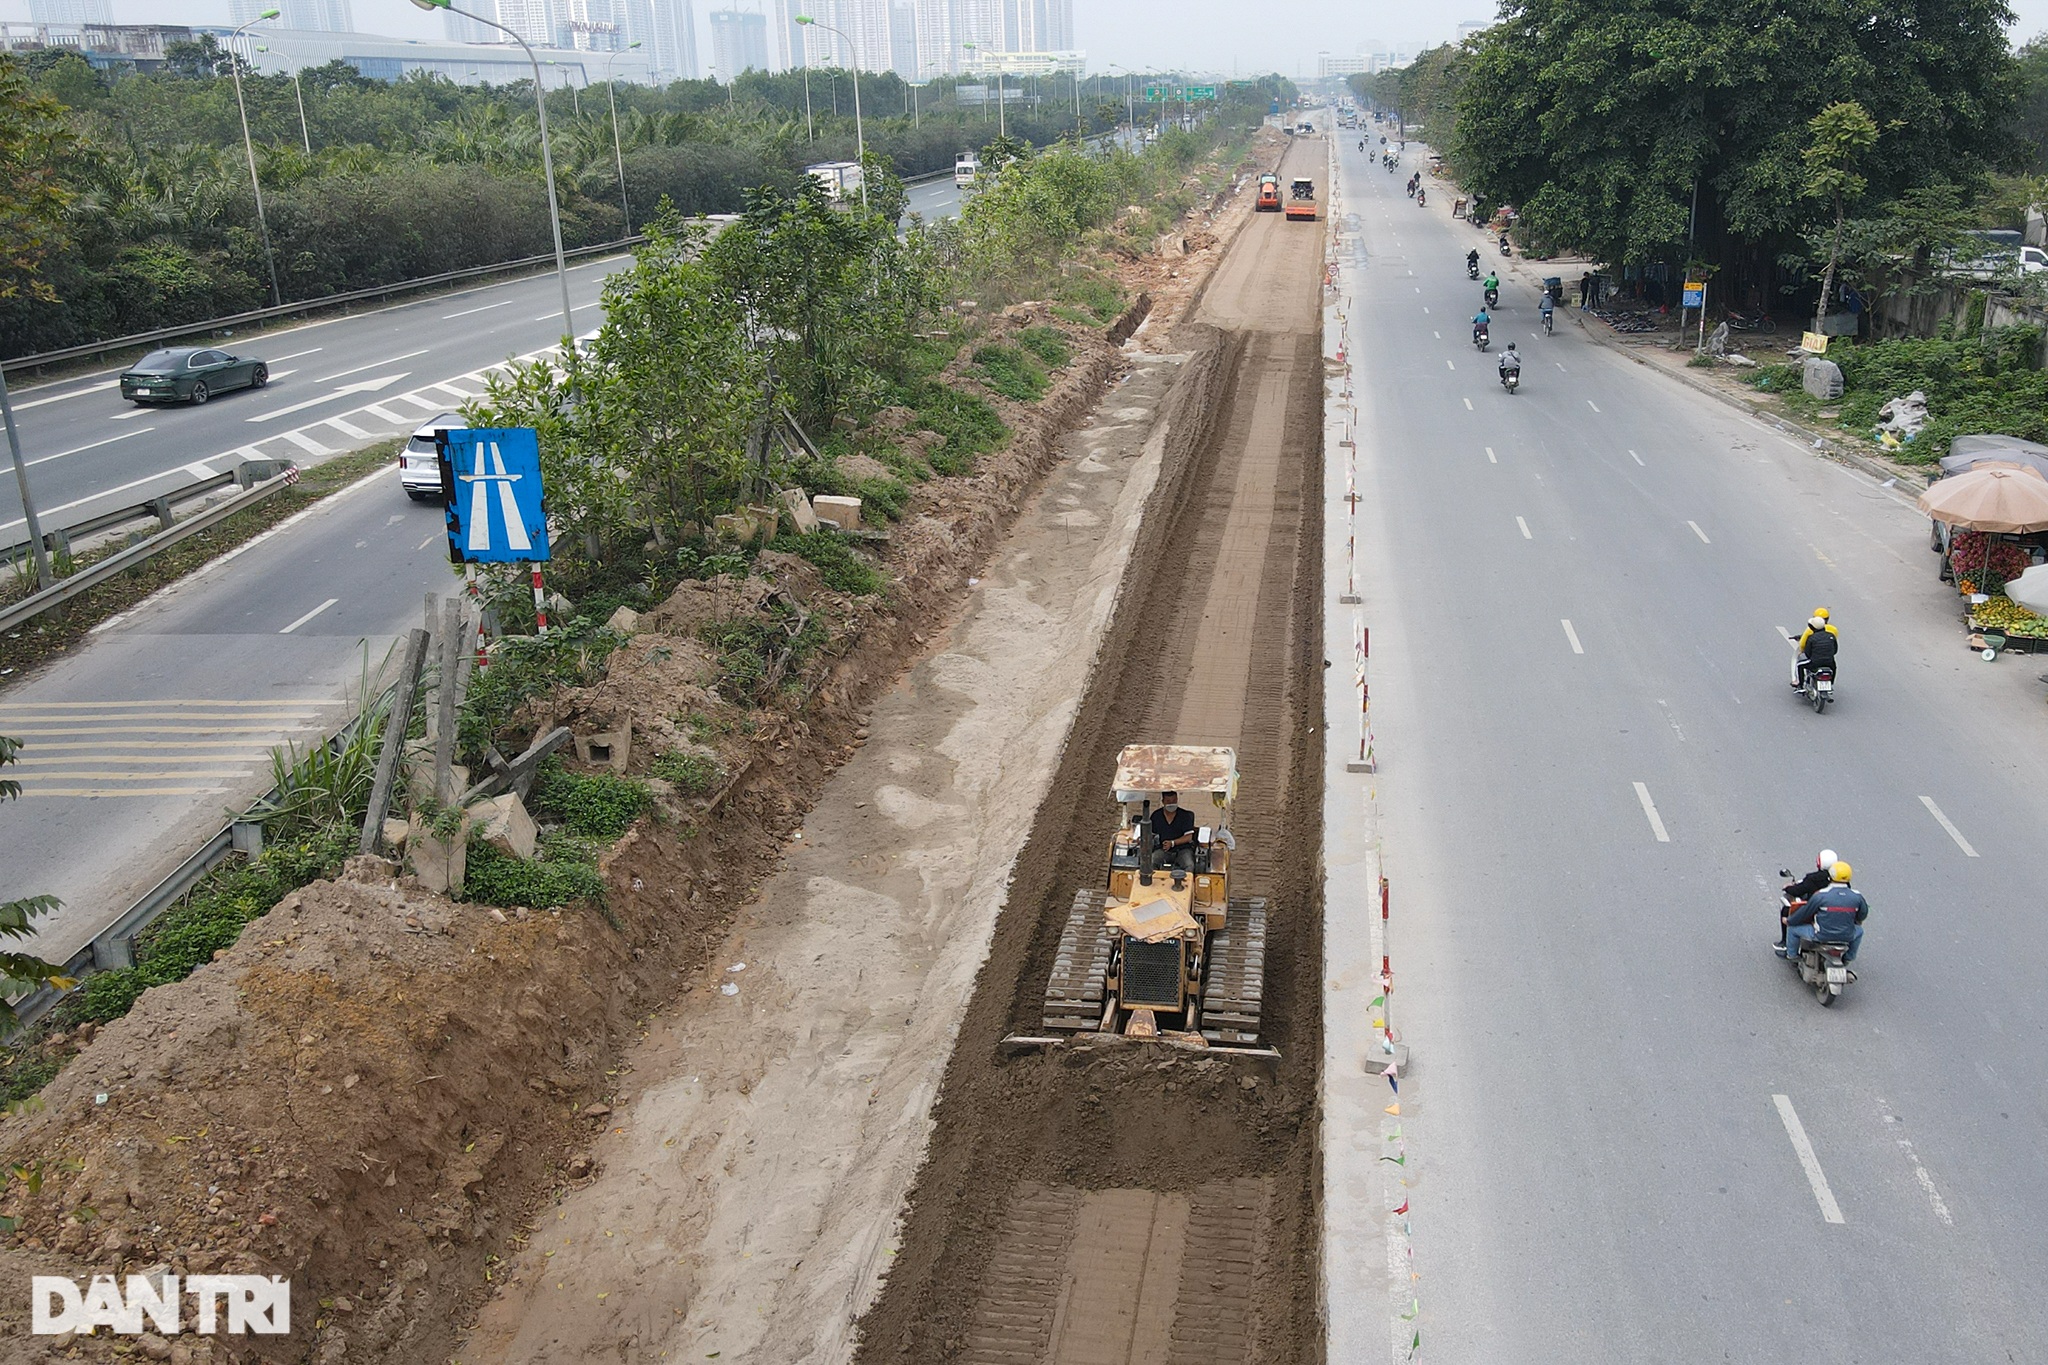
(492, 478)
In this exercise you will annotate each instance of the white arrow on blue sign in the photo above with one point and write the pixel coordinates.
(495, 511)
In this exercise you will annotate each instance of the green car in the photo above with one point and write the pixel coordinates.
(190, 374)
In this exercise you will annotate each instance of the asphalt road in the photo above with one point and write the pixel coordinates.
(1631, 1134)
(335, 385)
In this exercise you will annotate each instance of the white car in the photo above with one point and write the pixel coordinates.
(419, 464)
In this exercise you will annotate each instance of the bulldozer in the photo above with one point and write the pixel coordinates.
(1159, 951)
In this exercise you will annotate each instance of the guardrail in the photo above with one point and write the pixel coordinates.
(248, 474)
(114, 946)
(193, 329)
(142, 551)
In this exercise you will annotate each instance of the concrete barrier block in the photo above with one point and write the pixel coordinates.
(609, 749)
(797, 508)
(438, 863)
(843, 513)
(506, 825)
(625, 621)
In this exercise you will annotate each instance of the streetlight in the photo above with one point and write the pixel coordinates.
(860, 137)
(968, 48)
(1130, 104)
(547, 155)
(618, 154)
(262, 228)
(305, 134)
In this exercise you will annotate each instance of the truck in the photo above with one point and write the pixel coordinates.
(841, 180)
(1301, 199)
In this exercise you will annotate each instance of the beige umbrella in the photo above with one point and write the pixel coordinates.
(2007, 500)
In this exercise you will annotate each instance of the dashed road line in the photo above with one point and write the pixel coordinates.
(309, 616)
(1491, 458)
(1650, 809)
(1637, 458)
(1525, 529)
(1698, 532)
(1949, 825)
(1808, 1161)
(80, 450)
(1468, 405)
(1452, 363)
(1573, 636)
(502, 303)
(387, 360)
(1591, 404)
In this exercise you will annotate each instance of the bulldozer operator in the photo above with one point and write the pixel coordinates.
(1173, 833)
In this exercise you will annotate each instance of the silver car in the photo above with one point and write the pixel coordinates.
(419, 464)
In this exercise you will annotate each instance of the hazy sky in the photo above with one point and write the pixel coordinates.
(1245, 36)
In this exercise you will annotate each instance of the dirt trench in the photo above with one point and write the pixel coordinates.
(1118, 1204)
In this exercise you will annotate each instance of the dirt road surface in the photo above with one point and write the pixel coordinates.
(1123, 1205)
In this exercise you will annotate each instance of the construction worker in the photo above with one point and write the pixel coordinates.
(1173, 833)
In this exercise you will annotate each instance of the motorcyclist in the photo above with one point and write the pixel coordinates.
(1817, 644)
(1803, 889)
(1504, 248)
(1481, 323)
(1543, 307)
(1510, 361)
(1472, 262)
(1421, 196)
(1834, 914)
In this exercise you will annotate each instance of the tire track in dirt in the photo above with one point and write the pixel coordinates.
(1121, 1204)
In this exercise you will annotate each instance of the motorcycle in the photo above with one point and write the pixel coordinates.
(1742, 322)
(1492, 299)
(1511, 378)
(1421, 197)
(1480, 339)
(1505, 249)
(1821, 965)
(1819, 688)
(1471, 269)
(1546, 321)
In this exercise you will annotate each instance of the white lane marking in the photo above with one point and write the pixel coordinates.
(425, 543)
(1452, 363)
(1560, 364)
(429, 404)
(345, 391)
(1468, 405)
(1637, 458)
(461, 395)
(1491, 458)
(79, 450)
(1525, 529)
(1573, 636)
(128, 416)
(579, 307)
(385, 414)
(502, 303)
(1591, 404)
(388, 360)
(306, 443)
(1425, 310)
(1920, 1174)
(1786, 633)
(1808, 1162)
(1949, 825)
(75, 393)
(1650, 809)
(349, 429)
(1698, 532)
(281, 374)
(198, 470)
(1411, 274)
(1438, 335)
(309, 616)
(296, 355)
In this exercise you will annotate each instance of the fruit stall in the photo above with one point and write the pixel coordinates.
(1982, 563)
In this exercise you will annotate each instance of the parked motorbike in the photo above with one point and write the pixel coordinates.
(1480, 338)
(1505, 249)
(1823, 966)
(1743, 322)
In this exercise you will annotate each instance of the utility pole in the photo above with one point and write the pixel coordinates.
(37, 551)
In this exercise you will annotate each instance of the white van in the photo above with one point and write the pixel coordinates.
(965, 168)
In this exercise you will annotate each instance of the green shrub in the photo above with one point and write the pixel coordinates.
(571, 654)
(541, 883)
(690, 774)
(1098, 296)
(968, 424)
(842, 567)
(1011, 373)
(884, 495)
(1048, 344)
(594, 805)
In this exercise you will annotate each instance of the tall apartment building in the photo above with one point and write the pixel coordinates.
(308, 16)
(673, 39)
(739, 42)
(77, 13)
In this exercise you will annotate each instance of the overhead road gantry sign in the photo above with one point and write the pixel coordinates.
(491, 479)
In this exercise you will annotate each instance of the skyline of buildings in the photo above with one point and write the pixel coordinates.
(739, 42)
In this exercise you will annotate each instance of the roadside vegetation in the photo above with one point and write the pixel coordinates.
(1839, 165)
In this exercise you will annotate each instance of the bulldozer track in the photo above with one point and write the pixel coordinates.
(1124, 1203)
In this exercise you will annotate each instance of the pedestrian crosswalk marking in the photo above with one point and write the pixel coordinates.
(177, 746)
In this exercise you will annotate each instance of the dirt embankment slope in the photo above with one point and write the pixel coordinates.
(1116, 1203)
(376, 1090)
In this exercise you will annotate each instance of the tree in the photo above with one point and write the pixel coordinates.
(1603, 119)
(2030, 123)
(21, 972)
(33, 137)
(1843, 134)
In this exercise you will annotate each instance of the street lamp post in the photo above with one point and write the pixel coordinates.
(618, 150)
(262, 228)
(39, 554)
(547, 155)
(305, 133)
(860, 137)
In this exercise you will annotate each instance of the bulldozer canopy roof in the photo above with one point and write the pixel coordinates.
(1145, 770)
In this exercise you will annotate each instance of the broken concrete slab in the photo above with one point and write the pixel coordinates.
(506, 826)
(841, 512)
(797, 509)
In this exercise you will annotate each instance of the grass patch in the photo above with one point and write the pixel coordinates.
(1100, 300)
(968, 424)
(590, 805)
(885, 495)
(55, 632)
(843, 567)
(562, 873)
(1010, 372)
(689, 774)
(1048, 344)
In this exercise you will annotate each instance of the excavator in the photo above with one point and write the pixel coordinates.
(1158, 951)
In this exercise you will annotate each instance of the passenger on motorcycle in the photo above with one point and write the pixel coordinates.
(1834, 914)
(1803, 889)
(1818, 644)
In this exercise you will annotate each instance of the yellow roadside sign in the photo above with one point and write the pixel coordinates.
(1814, 342)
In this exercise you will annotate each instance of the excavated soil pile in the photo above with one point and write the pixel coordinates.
(1119, 1202)
(370, 1092)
